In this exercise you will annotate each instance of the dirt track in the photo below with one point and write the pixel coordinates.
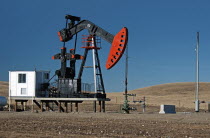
(87, 124)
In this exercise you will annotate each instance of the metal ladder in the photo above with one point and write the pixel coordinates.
(98, 78)
(92, 42)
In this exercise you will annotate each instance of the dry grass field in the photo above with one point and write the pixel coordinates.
(180, 94)
(113, 123)
(4, 88)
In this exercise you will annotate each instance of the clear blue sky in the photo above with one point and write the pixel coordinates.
(162, 37)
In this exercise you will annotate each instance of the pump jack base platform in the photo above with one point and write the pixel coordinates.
(59, 102)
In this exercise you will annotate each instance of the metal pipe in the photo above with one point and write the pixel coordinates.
(9, 104)
(197, 76)
(94, 65)
(126, 107)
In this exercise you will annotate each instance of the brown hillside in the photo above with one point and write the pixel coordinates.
(4, 88)
(182, 88)
(179, 94)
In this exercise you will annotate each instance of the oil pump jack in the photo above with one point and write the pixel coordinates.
(68, 85)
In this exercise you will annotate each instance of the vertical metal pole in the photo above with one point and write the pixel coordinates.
(99, 106)
(41, 106)
(197, 76)
(94, 106)
(103, 106)
(99, 72)
(126, 105)
(94, 65)
(71, 107)
(9, 92)
(33, 94)
(25, 104)
(126, 72)
(76, 106)
(47, 105)
(59, 106)
(9, 100)
(66, 105)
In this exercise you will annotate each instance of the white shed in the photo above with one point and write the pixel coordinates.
(27, 83)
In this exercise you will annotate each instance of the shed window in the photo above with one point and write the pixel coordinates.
(21, 78)
(46, 76)
(23, 91)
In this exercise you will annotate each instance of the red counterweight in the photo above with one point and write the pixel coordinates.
(118, 47)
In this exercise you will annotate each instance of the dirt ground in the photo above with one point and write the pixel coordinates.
(109, 124)
(113, 123)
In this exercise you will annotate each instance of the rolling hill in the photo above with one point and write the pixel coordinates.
(4, 88)
(179, 94)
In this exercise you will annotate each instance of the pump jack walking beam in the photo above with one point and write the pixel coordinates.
(119, 41)
(67, 34)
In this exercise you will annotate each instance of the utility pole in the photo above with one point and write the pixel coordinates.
(197, 103)
(126, 107)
